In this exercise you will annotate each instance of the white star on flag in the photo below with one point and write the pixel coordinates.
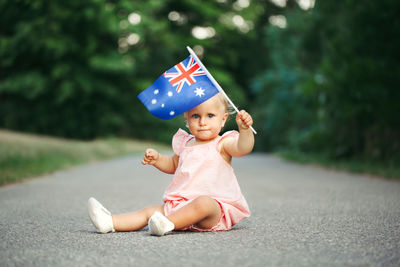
(199, 92)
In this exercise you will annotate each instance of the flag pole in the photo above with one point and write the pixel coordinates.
(215, 82)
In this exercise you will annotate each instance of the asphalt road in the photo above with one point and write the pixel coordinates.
(301, 216)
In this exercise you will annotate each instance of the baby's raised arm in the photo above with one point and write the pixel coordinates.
(167, 164)
(245, 143)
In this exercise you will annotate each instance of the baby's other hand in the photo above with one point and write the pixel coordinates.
(150, 157)
(244, 120)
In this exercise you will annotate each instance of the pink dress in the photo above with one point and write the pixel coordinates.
(202, 171)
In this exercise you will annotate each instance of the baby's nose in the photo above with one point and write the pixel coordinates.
(202, 121)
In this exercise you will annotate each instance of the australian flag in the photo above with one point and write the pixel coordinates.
(178, 90)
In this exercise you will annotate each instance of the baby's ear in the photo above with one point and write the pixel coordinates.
(224, 118)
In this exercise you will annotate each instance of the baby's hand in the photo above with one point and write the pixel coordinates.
(150, 157)
(244, 120)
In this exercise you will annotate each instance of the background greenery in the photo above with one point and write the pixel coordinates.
(320, 79)
(27, 155)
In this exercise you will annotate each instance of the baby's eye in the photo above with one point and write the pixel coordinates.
(195, 116)
(211, 115)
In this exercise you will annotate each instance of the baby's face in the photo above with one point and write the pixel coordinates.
(206, 120)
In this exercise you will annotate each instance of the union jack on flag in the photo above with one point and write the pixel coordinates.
(182, 74)
(178, 90)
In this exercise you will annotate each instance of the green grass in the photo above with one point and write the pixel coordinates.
(385, 169)
(27, 155)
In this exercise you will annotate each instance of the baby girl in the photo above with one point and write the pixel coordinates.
(204, 194)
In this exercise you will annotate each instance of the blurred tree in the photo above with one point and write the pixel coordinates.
(74, 68)
(326, 76)
(60, 69)
(332, 85)
(283, 105)
(360, 69)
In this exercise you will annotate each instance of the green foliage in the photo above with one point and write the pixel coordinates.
(361, 72)
(326, 83)
(284, 102)
(60, 70)
(74, 68)
(333, 83)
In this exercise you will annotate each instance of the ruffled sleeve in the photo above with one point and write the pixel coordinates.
(234, 134)
(179, 140)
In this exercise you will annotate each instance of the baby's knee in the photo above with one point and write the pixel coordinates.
(205, 203)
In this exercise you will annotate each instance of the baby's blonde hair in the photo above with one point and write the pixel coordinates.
(224, 102)
(228, 108)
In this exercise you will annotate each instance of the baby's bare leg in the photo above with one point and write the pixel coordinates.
(204, 212)
(135, 220)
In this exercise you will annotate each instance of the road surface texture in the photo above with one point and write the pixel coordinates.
(301, 216)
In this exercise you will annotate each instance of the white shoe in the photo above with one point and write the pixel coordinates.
(100, 216)
(159, 224)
